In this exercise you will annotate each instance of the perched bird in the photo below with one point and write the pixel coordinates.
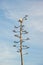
(20, 20)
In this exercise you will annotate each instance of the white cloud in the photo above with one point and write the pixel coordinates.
(15, 13)
(5, 52)
(37, 25)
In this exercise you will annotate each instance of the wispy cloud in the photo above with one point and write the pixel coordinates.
(38, 25)
(13, 12)
(5, 52)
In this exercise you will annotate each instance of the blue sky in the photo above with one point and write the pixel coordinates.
(10, 12)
